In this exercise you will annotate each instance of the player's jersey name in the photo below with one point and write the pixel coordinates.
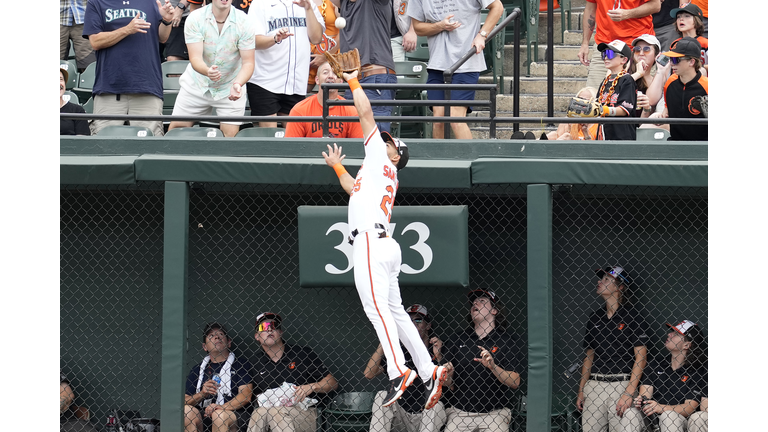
(113, 14)
(287, 22)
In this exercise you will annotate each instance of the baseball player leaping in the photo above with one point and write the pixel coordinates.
(377, 255)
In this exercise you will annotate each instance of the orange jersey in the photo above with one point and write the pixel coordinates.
(311, 107)
(608, 30)
(703, 5)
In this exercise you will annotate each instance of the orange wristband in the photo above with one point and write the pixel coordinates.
(353, 84)
(606, 111)
(339, 168)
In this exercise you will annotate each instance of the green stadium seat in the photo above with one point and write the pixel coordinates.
(651, 134)
(88, 106)
(84, 87)
(421, 53)
(172, 70)
(71, 67)
(126, 131)
(195, 132)
(349, 412)
(270, 132)
(411, 72)
(71, 97)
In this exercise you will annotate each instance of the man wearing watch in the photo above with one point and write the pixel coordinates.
(453, 28)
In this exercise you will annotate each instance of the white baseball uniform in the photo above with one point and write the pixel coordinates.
(282, 68)
(377, 258)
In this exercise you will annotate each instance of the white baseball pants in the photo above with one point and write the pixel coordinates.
(377, 267)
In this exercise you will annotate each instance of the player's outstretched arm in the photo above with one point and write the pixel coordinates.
(362, 104)
(333, 158)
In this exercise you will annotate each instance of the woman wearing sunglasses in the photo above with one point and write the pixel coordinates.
(617, 93)
(645, 49)
(672, 386)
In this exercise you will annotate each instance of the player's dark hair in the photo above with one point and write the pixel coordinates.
(696, 356)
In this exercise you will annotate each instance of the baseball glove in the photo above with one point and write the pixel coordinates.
(583, 108)
(345, 62)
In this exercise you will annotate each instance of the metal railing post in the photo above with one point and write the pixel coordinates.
(326, 109)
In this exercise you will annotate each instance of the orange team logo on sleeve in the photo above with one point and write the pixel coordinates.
(292, 365)
(684, 378)
(494, 349)
(621, 326)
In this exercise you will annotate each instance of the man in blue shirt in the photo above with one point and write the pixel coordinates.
(126, 35)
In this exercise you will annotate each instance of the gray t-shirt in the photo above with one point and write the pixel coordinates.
(367, 30)
(446, 48)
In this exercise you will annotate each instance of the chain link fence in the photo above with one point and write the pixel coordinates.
(243, 261)
(658, 236)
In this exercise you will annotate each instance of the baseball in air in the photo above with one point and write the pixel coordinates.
(341, 23)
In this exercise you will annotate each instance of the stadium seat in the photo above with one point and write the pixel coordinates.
(71, 97)
(71, 67)
(88, 106)
(275, 132)
(349, 412)
(562, 416)
(85, 81)
(126, 131)
(172, 70)
(421, 53)
(652, 134)
(195, 132)
(411, 72)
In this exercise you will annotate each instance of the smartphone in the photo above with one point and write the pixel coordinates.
(662, 60)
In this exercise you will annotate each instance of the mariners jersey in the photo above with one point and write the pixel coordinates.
(373, 193)
(282, 68)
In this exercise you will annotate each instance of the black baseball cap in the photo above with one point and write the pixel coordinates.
(214, 326)
(685, 47)
(472, 295)
(617, 46)
(617, 272)
(690, 8)
(269, 315)
(402, 149)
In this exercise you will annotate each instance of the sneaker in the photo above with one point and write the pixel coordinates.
(434, 386)
(397, 387)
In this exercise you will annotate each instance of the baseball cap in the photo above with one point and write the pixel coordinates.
(482, 293)
(269, 315)
(649, 39)
(685, 47)
(617, 272)
(214, 326)
(421, 310)
(402, 149)
(686, 328)
(617, 46)
(690, 8)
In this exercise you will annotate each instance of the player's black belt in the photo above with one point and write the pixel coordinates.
(377, 225)
(609, 377)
